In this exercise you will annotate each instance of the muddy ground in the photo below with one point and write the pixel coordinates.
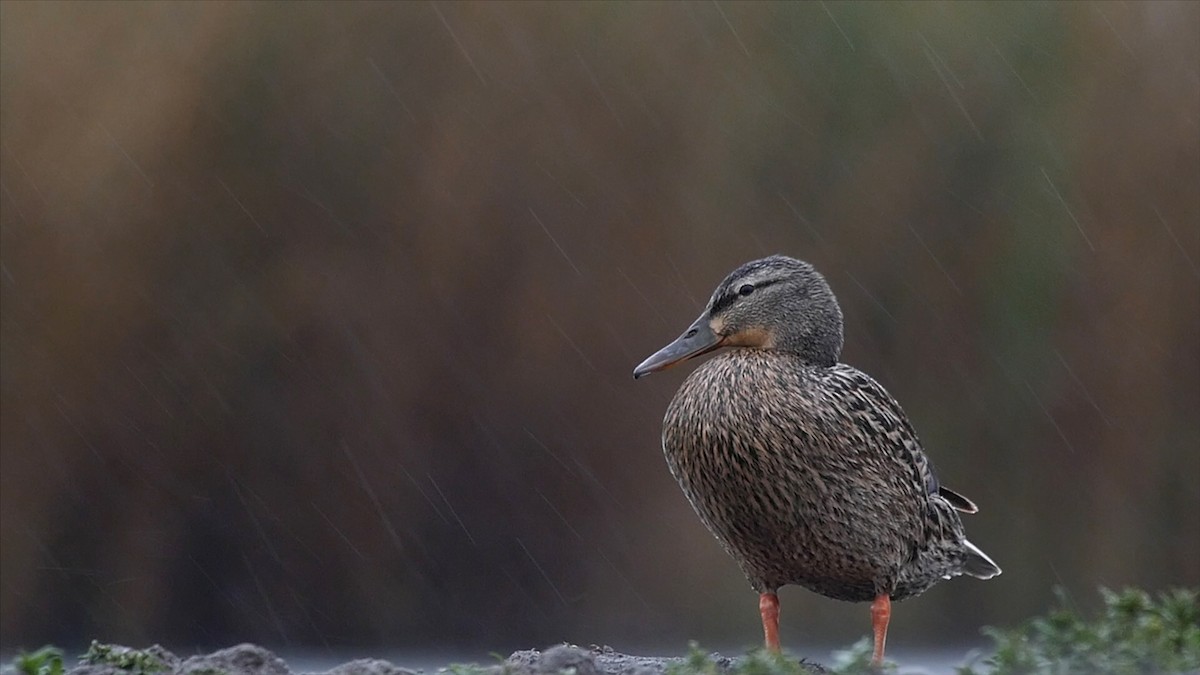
(247, 659)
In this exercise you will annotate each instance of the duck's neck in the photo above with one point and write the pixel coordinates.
(815, 336)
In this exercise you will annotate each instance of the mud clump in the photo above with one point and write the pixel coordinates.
(249, 659)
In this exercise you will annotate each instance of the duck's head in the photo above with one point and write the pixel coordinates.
(776, 303)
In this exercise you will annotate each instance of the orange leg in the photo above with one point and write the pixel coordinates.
(768, 606)
(881, 611)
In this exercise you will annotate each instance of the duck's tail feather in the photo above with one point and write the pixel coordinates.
(977, 563)
(957, 501)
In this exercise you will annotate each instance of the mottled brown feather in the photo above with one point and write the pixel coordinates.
(809, 472)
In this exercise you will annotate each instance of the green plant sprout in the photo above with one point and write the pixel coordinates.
(46, 661)
(137, 661)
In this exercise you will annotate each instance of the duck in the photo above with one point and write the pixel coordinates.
(805, 469)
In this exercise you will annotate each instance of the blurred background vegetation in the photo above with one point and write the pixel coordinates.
(318, 319)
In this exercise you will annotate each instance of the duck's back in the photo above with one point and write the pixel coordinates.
(811, 476)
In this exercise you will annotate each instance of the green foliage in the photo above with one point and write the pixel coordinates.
(138, 661)
(857, 660)
(756, 662)
(46, 661)
(1135, 635)
(697, 662)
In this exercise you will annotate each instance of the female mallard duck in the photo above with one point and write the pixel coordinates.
(805, 469)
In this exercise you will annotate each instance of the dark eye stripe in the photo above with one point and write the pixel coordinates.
(732, 296)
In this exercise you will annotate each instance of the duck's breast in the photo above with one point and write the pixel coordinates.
(792, 467)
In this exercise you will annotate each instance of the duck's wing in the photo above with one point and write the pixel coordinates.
(885, 427)
(873, 401)
(941, 533)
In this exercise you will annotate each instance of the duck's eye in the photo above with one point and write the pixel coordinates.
(746, 289)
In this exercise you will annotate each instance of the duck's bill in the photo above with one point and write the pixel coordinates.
(696, 340)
